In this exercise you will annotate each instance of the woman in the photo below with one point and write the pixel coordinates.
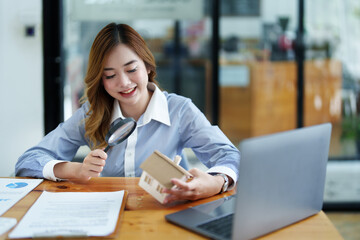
(120, 82)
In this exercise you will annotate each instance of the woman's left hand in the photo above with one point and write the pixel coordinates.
(201, 186)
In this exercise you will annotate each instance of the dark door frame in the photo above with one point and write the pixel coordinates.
(53, 77)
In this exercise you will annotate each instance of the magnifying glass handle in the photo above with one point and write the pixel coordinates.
(107, 148)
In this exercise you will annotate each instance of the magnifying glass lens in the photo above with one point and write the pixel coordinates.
(119, 130)
(121, 133)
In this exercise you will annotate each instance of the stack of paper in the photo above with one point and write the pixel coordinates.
(71, 214)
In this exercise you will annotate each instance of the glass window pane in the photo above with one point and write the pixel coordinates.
(257, 68)
(178, 33)
(332, 71)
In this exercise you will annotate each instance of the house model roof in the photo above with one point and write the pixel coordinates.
(162, 168)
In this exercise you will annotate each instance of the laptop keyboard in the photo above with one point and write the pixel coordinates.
(221, 226)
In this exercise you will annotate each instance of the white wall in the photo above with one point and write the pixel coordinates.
(21, 77)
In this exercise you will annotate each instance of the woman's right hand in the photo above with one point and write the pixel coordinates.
(92, 166)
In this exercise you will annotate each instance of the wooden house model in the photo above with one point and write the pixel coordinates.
(158, 170)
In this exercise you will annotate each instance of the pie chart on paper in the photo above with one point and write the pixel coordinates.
(17, 185)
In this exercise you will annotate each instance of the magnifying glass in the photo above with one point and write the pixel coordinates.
(119, 130)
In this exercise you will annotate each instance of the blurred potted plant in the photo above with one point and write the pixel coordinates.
(351, 130)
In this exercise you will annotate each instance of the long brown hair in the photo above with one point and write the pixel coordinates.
(101, 103)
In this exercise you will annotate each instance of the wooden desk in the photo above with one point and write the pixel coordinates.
(144, 217)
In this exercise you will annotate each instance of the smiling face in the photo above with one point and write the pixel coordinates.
(125, 78)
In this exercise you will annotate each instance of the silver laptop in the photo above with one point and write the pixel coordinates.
(281, 181)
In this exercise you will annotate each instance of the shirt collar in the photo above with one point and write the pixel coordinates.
(157, 108)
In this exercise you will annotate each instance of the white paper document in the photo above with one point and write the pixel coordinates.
(12, 190)
(71, 214)
(6, 224)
